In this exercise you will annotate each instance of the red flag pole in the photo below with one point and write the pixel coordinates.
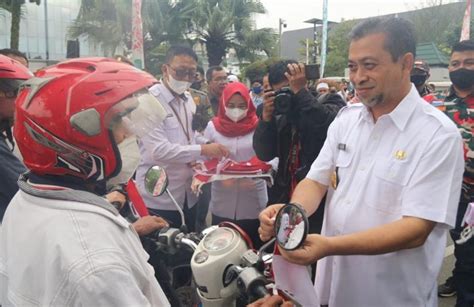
(466, 23)
(138, 57)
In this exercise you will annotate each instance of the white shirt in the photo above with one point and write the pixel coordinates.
(68, 253)
(236, 198)
(408, 163)
(168, 146)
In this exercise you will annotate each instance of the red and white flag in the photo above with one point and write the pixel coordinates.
(138, 58)
(466, 23)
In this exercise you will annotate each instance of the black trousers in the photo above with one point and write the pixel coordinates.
(463, 272)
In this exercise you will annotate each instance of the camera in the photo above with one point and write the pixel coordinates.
(312, 71)
(282, 100)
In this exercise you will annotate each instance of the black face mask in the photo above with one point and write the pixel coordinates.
(462, 78)
(418, 80)
(196, 85)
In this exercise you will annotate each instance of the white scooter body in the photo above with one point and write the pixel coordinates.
(219, 249)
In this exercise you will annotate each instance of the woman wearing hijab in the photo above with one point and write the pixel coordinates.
(237, 200)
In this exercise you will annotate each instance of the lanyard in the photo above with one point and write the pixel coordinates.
(185, 129)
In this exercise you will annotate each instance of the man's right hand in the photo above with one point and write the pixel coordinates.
(268, 107)
(267, 221)
(214, 150)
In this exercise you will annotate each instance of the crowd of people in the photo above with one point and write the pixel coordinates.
(382, 173)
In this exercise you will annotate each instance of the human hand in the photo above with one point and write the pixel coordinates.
(268, 106)
(314, 248)
(117, 199)
(271, 301)
(267, 221)
(147, 224)
(296, 75)
(214, 150)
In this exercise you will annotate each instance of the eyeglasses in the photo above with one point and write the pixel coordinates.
(183, 73)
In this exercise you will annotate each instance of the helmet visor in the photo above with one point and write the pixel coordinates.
(135, 115)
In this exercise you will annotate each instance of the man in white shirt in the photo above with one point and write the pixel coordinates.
(395, 166)
(172, 144)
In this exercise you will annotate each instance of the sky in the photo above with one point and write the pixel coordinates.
(294, 12)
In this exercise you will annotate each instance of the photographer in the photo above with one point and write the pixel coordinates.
(293, 128)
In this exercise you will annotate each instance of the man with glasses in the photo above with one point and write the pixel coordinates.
(172, 144)
(12, 74)
(217, 80)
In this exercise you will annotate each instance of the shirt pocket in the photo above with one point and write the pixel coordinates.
(343, 163)
(171, 127)
(391, 177)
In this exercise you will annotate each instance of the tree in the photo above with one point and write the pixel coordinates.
(107, 23)
(338, 48)
(219, 24)
(165, 23)
(225, 24)
(15, 8)
(258, 69)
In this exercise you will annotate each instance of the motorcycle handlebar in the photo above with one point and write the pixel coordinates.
(189, 243)
(259, 290)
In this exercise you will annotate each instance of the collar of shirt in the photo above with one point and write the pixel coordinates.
(160, 90)
(401, 114)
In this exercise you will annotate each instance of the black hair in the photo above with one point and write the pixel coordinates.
(211, 70)
(465, 45)
(179, 50)
(399, 34)
(8, 51)
(276, 72)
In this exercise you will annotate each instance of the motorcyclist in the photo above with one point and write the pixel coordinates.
(61, 242)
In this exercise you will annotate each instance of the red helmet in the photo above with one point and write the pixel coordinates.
(64, 116)
(12, 73)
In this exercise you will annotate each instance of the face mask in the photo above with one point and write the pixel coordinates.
(196, 85)
(257, 90)
(130, 156)
(462, 78)
(179, 87)
(418, 80)
(235, 114)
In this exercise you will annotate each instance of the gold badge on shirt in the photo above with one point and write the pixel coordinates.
(335, 179)
(400, 155)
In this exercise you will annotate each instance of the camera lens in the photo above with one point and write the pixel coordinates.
(282, 101)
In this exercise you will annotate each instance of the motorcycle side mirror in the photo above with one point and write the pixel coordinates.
(291, 226)
(156, 181)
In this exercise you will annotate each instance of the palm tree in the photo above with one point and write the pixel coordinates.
(165, 23)
(225, 24)
(15, 8)
(107, 23)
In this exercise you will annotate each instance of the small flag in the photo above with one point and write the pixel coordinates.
(466, 23)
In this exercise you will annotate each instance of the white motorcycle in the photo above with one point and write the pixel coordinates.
(226, 269)
(229, 272)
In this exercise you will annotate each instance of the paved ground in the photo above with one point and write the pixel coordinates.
(448, 265)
